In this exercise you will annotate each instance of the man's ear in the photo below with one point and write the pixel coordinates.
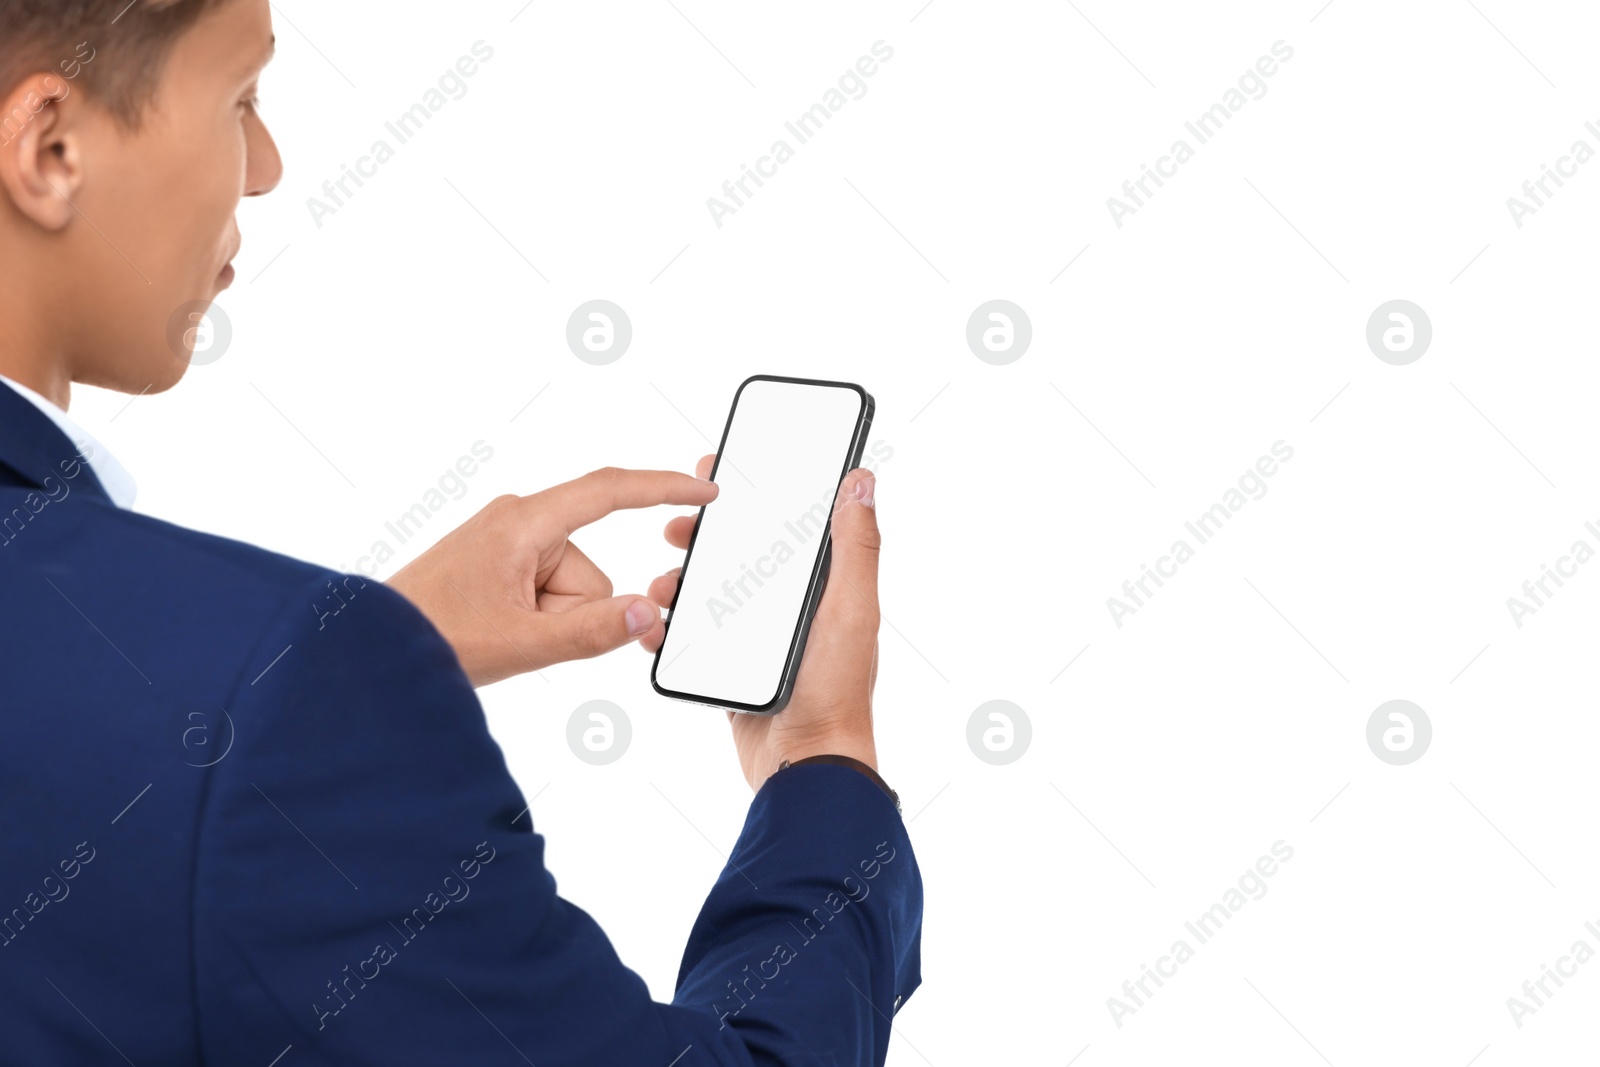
(41, 154)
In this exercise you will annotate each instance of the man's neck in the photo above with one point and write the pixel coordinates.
(31, 349)
(54, 383)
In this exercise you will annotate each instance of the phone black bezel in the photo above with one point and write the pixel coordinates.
(819, 572)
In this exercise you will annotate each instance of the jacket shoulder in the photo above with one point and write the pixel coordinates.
(172, 601)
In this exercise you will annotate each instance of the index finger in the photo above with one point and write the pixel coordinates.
(595, 495)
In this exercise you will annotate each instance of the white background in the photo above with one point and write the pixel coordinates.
(1226, 315)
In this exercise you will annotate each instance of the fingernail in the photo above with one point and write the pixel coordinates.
(641, 616)
(865, 490)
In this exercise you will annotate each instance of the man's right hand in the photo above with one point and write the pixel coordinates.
(830, 711)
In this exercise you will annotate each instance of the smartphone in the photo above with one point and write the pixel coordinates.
(758, 557)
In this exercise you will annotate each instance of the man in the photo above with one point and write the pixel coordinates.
(252, 811)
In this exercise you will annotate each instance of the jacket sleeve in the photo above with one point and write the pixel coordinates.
(368, 888)
(811, 938)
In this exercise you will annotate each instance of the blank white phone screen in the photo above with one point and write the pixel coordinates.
(746, 577)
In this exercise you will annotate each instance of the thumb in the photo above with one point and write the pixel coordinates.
(853, 569)
(596, 628)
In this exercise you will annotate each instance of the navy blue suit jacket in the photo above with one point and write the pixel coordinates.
(252, 810)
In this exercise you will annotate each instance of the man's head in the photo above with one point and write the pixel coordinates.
(128, 134)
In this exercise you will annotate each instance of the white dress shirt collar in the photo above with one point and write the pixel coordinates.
(113, 476)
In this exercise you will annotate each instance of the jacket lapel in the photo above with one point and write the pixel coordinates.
(33, 449)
